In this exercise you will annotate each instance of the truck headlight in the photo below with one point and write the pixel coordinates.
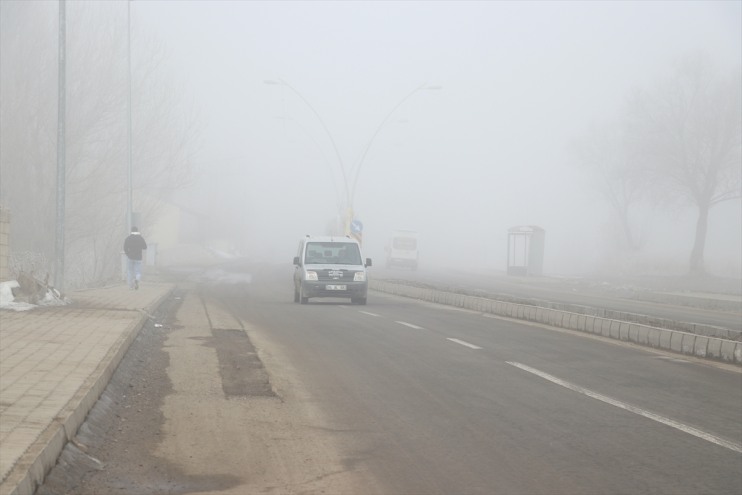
(359, 277)
(311, 275)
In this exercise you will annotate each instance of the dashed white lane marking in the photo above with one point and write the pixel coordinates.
(409, 325)
(672, 359)
(370, 314)
(728, 444)
(467, 344)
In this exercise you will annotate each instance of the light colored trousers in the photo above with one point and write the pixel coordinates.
(133, 271)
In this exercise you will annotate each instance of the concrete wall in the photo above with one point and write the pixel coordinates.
(701, 346)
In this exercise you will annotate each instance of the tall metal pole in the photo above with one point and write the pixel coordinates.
(350, 189)
(129, 207)
(61, 171)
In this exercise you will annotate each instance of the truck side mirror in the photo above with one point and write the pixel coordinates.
(368, 262)
(296, 261)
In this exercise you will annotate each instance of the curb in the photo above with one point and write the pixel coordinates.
(701, 346)
(42, 456)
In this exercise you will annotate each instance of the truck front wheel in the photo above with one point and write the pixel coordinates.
(302, 298)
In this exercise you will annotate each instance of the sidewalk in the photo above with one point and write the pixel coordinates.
(54, 364)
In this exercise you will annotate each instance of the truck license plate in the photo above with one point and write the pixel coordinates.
(336, 287)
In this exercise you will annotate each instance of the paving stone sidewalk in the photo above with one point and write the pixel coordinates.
(54, 364)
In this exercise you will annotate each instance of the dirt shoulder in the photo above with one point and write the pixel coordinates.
(192, 409)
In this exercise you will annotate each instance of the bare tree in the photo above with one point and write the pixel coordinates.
(604, 154)
(164, 129)
(28, 108)
(687, 135)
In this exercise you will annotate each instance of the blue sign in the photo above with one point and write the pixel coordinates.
(356, 226)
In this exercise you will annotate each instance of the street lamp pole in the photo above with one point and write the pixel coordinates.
(129, 189)
(61, 148)
(350, 191)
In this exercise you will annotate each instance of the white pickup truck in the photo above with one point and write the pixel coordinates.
(330, 267)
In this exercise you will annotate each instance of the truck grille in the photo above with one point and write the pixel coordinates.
(336, 275)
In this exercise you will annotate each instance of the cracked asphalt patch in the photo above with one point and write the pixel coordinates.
(240, 368)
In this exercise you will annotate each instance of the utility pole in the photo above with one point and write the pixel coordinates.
(61, 170)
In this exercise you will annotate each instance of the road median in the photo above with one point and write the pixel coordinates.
(702, 341)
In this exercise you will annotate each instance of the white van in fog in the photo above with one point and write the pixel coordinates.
(401, 250)
(330, 267)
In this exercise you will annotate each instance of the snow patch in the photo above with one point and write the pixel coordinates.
(52, 297)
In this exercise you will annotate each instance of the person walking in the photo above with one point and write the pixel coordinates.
(134, 244)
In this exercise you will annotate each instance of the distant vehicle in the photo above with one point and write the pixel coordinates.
(330, 266)
(401, 251)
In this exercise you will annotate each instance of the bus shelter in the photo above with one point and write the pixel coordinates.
(526, 250)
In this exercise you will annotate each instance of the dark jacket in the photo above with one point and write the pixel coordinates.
(134, 245)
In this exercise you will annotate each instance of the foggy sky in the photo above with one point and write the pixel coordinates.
(519, 81)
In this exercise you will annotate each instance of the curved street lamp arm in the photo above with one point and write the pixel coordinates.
(327, 131)
(373, 137)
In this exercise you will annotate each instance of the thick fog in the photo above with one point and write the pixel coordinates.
(458, 120)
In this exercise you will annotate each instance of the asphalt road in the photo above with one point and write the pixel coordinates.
(433, 400)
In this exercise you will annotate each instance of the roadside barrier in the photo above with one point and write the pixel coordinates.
(683, 342)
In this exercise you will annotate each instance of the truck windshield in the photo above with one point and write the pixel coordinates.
(406, 243)
(332, 253)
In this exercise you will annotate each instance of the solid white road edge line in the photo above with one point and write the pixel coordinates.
(409, 325)
(367, 313)
(636, 410)
(467, 344)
